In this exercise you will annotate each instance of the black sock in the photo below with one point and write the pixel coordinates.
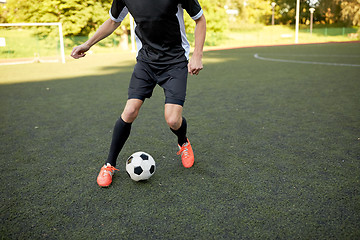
(181, 132)
(120, 135)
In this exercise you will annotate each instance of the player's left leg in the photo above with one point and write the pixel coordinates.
(173, 117)
(121, 133)
(178, 125)
(174, 80)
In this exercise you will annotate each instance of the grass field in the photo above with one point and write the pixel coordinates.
(275, 35)
(277, 149)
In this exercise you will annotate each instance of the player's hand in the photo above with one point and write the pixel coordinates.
(79, 51)
(195, 65)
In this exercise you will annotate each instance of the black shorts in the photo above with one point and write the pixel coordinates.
(172, 78)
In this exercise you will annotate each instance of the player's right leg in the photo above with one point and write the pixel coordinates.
(121, 133)
(122, 129)
(141, 87)
(131, 110)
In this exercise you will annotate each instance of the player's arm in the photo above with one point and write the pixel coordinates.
(103, 31)
(195, 64)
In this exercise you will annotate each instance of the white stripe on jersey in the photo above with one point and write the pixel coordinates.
(197, 16)
(121, 16)
(184, 42)
(138, 41)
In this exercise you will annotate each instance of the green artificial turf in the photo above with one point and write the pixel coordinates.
(277, 149)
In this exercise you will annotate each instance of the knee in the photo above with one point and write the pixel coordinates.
(129, 114)
(173, 122)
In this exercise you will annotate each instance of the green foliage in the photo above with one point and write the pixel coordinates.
(351, 11)
(216, 18)
(216, 22)
(77, 17)
(326, 11)
(215, 14)
(84, 17)
(257, 11)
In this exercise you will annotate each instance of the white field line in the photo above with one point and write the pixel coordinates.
(256, 55)
(15, 63)
(27, 62)
(315, 55)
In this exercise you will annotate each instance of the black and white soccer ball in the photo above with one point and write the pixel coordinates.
(140, 166)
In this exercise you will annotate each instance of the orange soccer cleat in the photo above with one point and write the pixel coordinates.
(187, 154)
(105, 176)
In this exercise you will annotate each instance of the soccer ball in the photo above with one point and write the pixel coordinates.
(140, 166)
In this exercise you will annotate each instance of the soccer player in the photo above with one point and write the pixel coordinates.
(162, 59)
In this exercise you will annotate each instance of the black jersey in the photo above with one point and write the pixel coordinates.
(160, 30)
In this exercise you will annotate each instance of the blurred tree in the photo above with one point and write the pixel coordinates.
(251, 11)
(328, 11)
(351, 12)
(77, 17)
(286, 10)
(338, 11)
(257, 11)
(215, 15)
(84, 17)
